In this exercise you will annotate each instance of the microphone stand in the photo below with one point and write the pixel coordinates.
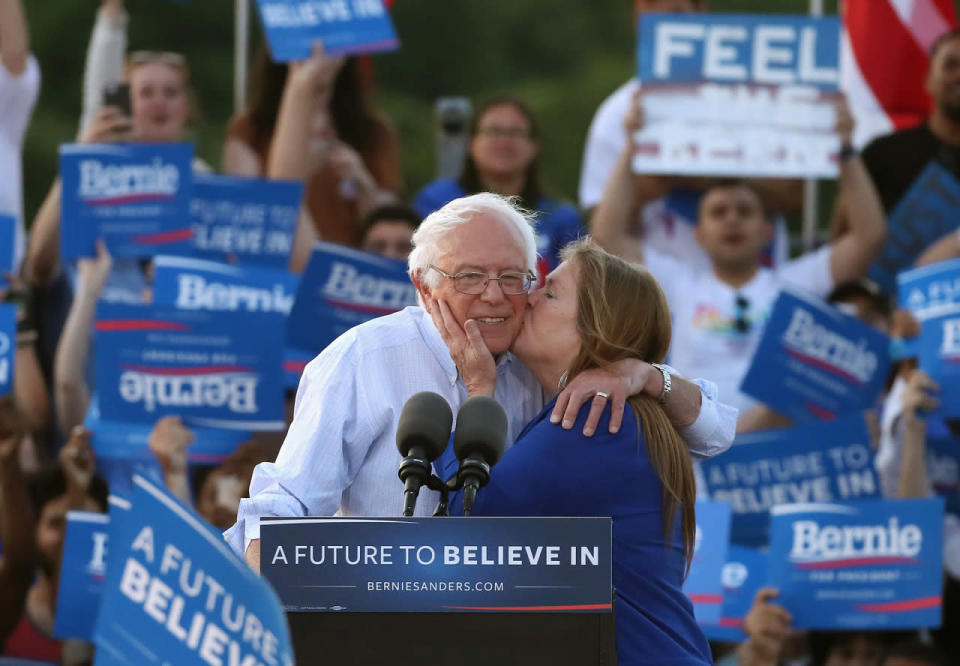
(434, 483)
(443, 506)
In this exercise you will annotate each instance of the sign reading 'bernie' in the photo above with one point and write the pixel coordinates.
(136, 197)
(870, 564)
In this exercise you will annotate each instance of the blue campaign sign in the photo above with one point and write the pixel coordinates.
(8, 346)
(744, 573)
(870, 564)
(345, 26)
(704, 583)
(761, 49)
(175, 593)
(341, 288)
(927, 212)
(8, 235)
(814, 462)
(294, 363)
(83, 570)
(134, 196)
(250, 219)
(943, 464)
(425, 565)
(195, 284)
(213, 369)
(130, 441)
(815, 361)
(932, 294)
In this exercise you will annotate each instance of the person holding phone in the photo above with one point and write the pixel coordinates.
(158, 88)
(154, 109)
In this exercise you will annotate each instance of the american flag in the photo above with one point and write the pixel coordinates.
(884, 54)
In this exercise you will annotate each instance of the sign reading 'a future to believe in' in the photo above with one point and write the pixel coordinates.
(932, 294)
(439, 564)
(816, 462)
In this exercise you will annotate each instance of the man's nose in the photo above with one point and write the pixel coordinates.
(492, 293)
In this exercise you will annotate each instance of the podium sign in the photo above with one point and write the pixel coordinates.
(438, 565)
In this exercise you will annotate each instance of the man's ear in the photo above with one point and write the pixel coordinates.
(425, 293)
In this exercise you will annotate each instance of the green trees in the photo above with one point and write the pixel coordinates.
(562, 56)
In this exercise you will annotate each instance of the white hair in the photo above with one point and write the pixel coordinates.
(459, 211)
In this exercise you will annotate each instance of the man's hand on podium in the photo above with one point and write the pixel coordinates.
(253, 555)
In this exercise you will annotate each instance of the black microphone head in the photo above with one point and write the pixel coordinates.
(481, 429)
(425, 422)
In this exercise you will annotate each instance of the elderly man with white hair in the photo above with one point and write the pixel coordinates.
(476, 258)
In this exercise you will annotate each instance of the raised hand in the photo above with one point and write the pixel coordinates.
(77, 460)
(917, 396)
(168, 441)
(845, 120)
(93, 273)
(317, 73)
(11, 430)
(110, 125)
(468, 350)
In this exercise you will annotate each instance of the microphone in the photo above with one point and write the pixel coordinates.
(422, 435)
(478, 442)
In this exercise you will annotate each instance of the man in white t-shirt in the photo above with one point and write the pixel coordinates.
(668, 212)
(719, 312)
(19, 86)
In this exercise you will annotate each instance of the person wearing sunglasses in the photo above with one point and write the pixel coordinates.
(720, 312)
(503, 157)
(473, 261)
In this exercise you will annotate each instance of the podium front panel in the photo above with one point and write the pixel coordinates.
(439, 565)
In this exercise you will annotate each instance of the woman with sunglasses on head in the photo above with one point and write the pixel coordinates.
(503, 157)
(155, 109)
(159, 106)
(316, 121)
(595, 310)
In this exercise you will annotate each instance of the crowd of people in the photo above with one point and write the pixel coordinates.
(569, 333)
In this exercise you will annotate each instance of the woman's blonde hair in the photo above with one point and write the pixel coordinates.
(173, 60)
(622, 313)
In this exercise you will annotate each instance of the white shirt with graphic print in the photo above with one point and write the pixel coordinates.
(707, 340)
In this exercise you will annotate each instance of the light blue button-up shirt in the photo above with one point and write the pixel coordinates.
(340, 455)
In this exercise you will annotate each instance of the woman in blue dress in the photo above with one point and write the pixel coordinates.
(596, 309)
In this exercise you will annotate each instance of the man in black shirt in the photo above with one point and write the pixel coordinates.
(895, 160)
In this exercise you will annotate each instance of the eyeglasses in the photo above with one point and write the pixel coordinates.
(497, 132)
(740, 321)
(476, 283)
(160, 57)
